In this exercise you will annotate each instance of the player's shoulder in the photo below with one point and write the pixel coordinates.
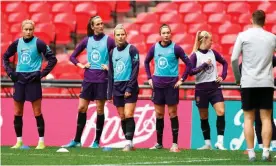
(40, 41)
(133, 49)
(109, 38)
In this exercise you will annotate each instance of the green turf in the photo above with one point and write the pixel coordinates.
(85, 156)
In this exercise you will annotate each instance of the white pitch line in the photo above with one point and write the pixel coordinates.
(184, 161)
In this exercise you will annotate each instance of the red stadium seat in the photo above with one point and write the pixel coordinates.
(188, 48)
(192, 18)
(229, 28)
(122, 6)
(62, 7)
(268, 7)
(244, 18)
(132, 28)
(82, 58)
(215, 38)
(166, 7)
(39, 7)
(217, 47)
(228, 39)
(63, 58)
(6, 39)
(183, 38)
(149, 28)
(65, 24)
(214, 7)
(105, 10)
(16, 7)
(193, 28)
(178, 28)
(45, 32)
(42, 18)
(17, 18)
(147, 18)
(4, 25)
(273, 30)
(153, 38)
(254, 4)
(16, 36)
(64, 68)
(15, 28)
(142, 48)
(190, 7)
(219, 18)
(271, 18)
(136, 38)
(238, 8)
(89, 8)
(4, 47)
(83, 12)
(170, 18)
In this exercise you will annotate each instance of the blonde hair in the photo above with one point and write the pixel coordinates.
(119, 26)
(201, 36)
(28, 22)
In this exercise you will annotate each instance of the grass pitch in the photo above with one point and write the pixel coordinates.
(87, 156)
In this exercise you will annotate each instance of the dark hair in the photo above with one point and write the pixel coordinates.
(90, 31)
(164, 26)
(258, 17)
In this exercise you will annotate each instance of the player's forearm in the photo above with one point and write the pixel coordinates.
(188, 64)
(50, 66)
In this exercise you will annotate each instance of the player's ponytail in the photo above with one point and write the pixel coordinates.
(201, 36)
(196, 45)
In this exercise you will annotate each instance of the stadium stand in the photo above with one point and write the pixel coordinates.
(57, 21)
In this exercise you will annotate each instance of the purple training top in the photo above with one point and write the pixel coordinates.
(92, 75)
(162, 82)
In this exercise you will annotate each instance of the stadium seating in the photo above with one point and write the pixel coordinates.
(214, 7)
(41, 18)
(122, 6)
(143, 18)
(190, 7)
(166, 7)
(65, 24)
(224, 19)
(268, 7)
(83, 12)
(39, 7)
(170, 18)
(16, 7)
(62, 7)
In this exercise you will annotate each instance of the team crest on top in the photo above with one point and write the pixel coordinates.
(120, 67)
(25, 56)
(95, 56)
(209, 69)
(162, 63)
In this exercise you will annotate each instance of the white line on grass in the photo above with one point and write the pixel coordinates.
(183, 161)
